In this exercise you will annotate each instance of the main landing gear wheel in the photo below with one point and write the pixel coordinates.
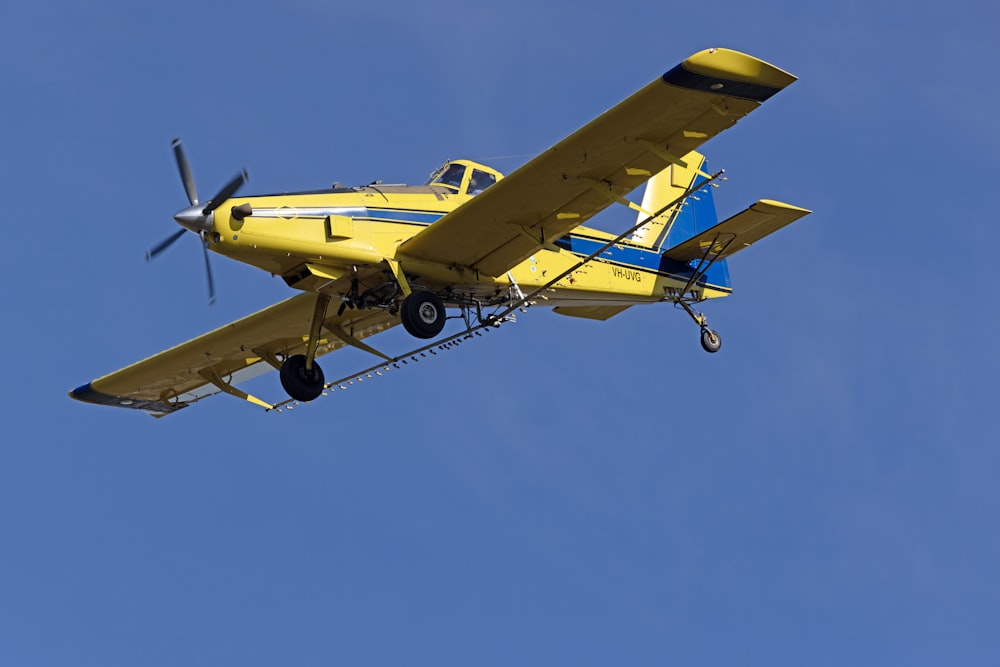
(711, 341)
(423, 314)
(300, 383)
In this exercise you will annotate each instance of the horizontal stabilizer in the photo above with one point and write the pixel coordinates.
(738, 232)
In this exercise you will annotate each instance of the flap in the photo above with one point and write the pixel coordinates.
(600, 163)
(737, 232)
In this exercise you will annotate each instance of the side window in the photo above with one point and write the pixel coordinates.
(452, 176)
(480, 181)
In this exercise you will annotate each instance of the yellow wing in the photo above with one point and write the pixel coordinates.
(234, 353)
(600, 163)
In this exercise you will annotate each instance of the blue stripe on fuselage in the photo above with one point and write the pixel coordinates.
(645, 259)
(356, 212)
(396, 215)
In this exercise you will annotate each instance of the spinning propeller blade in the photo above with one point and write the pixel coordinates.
(163, 245)
(190, 218)
(208, 272)
(186, 176)
(225, 193)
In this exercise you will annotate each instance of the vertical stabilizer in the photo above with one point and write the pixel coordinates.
(685, 219)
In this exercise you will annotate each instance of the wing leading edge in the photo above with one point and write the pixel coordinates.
(600, 163)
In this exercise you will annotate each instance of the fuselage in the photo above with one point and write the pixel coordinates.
(312, 239)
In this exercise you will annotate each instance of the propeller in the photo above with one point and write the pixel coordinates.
(163, 245)
(197, 218)
(182, 165)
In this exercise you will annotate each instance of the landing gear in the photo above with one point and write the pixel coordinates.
(423, 314)
(300, 375)
(301, 383)
(711, 341)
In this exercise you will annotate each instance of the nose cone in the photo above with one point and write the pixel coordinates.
(193, 218)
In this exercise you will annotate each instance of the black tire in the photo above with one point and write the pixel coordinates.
(301, 384)
(711, 341)
(423, 314)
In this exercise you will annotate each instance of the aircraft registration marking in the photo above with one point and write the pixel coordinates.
(627, 274)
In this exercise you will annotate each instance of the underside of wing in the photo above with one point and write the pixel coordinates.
(234, 353)
(600, 163)
(738, 232)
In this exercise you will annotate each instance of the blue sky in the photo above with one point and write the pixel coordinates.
(822, 491)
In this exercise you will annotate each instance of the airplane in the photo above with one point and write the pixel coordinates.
(471, 242)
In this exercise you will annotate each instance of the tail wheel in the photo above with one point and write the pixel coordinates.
(711, 341)
(423, 314)
(301, 383)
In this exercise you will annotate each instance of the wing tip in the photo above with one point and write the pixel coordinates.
(87, 394)
(775, 206)
(728, 72)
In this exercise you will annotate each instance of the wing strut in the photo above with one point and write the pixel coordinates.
(212, 376)
(343, 335)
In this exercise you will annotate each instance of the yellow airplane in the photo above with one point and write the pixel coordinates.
(472, 242)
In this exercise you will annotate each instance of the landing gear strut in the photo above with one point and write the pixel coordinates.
(711, 341)
(423, 314)
(300, 375)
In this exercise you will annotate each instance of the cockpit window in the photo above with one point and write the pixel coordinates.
(480, 181)
(451, 176)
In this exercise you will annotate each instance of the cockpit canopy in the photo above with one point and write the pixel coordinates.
(464, 177)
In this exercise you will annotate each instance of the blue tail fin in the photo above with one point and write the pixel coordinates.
(693, 215)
